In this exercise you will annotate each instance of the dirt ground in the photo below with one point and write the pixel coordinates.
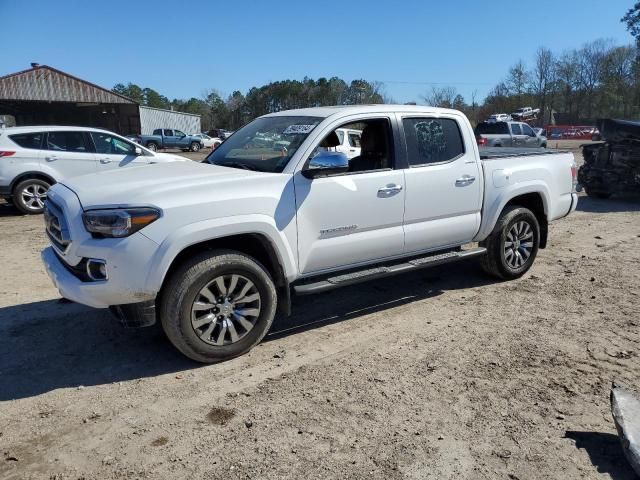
(442, 374)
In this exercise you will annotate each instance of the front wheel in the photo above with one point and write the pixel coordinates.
(195, 147)
(30, 194)
(217, 306)
(513, 245)
(152, 146)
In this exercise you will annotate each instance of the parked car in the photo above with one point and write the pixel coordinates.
(220, 133)
(170, 138)
(508, 134)
(349, 142)
(207, 141)
(212, 250)
(499, 117)
(34, 158)
(525, 113)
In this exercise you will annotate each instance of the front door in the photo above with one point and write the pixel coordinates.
(356, 217)
(69, 153)
(113, 152)
(443, 184)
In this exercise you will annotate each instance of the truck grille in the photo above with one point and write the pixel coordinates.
(56, 226)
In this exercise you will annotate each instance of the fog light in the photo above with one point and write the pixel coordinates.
(96, 269)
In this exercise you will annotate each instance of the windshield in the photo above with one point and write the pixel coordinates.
(265, 145)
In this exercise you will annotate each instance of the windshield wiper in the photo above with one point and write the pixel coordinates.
(238, 165)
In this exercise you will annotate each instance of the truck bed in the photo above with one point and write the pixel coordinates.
(492, 153)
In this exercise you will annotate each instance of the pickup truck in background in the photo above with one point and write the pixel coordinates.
(169, 138)
(212, 250)
(525, 113)
(508, 134)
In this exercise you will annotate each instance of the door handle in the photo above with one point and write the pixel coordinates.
(51, 158)
(391, 188)
(465, 180)
(105, 160)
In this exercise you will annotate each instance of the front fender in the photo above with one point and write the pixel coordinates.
(222, 227)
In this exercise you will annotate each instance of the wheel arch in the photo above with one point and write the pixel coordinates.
(535, 197)
(254, 244)
(31, 174)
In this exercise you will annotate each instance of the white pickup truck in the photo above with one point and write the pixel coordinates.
(212, 250)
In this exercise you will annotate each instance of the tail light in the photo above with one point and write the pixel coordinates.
(481, 141)
(6, 153)
(574, 176)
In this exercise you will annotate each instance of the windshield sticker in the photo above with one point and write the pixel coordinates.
(298, 129)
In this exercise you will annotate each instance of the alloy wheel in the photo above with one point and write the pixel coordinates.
(33, 196)
(518, 244)
(225, 310)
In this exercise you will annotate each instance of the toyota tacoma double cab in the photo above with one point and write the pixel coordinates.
(213, 250)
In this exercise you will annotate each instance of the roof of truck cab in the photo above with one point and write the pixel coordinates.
(342, 110)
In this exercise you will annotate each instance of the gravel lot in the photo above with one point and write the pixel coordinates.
(442, 374)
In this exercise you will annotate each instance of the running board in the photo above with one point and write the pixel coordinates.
(372, 273)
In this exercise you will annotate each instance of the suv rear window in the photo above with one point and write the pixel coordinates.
(495, 128)
(28, 140)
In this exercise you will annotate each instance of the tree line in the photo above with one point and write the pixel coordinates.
(238, 109)
(597, 80)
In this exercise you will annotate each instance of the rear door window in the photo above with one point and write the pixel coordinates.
(28, 140)
(432, 140)
(515, 129)
(66, 142)
(354, 140)
(157, 131)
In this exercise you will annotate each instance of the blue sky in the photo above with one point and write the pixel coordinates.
(182, 48)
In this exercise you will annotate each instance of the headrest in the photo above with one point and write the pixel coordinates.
(330, 140)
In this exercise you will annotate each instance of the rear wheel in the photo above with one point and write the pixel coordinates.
(195, 147)
(152, 146)
(30, 194)
(513, 245)
(217, 306)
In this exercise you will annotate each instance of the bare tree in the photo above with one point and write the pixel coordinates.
(543, 79)
(518, 79)
(441, 97)
(591, 61)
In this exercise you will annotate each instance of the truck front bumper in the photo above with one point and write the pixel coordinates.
(97, 294)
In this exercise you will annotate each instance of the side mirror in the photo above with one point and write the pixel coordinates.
(138, 151)
(325, 164)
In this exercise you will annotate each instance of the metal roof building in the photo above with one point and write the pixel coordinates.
(43, 95)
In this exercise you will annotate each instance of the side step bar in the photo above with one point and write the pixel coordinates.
(372, 273)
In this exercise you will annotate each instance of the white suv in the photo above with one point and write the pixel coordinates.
(34, 158)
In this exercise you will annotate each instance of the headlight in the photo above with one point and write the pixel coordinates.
(119, 222)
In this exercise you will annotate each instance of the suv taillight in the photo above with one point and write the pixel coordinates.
(6, 153)
(481, 140)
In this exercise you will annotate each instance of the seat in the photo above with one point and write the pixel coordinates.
(373, 149)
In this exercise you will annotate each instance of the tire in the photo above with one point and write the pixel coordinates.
(29, 195)
(153, 146)
(544, 145)
(193, 288)
(596, 194)
(503, 260)
(195, 147)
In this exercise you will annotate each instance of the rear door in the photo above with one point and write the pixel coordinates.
(69, 153)
(113, 151)
(444, 183)
(169, 140)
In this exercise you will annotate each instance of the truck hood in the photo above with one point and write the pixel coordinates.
(168, 157)
(157, 184)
